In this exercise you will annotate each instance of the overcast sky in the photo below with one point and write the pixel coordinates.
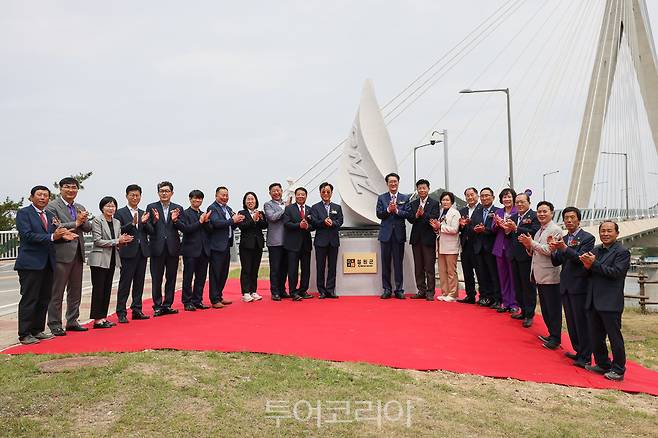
(208, 93)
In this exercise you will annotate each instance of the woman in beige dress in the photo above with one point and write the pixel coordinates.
(447, 229)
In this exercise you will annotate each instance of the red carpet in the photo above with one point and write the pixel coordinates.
(413, 334)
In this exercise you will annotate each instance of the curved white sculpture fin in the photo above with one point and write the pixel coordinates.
(367, 157)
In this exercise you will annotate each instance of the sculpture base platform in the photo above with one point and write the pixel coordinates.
(363, 240)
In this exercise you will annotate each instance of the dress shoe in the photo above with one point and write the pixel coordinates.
(112, 324)
(597, 369)
(276, 298)
(322, 296)
(58, 331)
(551, 345)
(527, 323)
(28, 340)
(614, 375)
(399, 295)
(76, 328)
(285, 296)
(43, 336)
(430, 298)
(169, 311)
(517, 316)
(102, 325)
(217, 305)
(570, 355)
(201, 306)
(226, 302)
(306, 296)
(333, 296)
(296, 297)
(544, 338)
(158, 312)
(484, 302)
(500, 309)
(581, 364)
(386, 295)
(418, 296)
(467, 300)
(190, 308)
(139, 315)
(494, 305)
(123, 319)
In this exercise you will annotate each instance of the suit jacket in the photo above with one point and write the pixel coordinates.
(140, 234)
(274, 215)
(392, 223)
(486, 239)
(607, 276)
(574, 278)
(196, 236)
(541, 268)
(251, 233)
(295, 238)
(36, 248)
(449, 233)
(421, 230)
(104, 244)
(65, 251)
(501, 244)
(165, 232)
(468, 237)
(528, 225)
(324, 235)
(221, 229)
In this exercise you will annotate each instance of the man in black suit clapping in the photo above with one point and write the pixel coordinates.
(298, 243)
(326, 218)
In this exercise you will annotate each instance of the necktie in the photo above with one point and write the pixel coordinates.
(44, 221)
(227, 215)
(301, 211)
(327, 207)
(569, 239)
(394, 199)
(72, 211)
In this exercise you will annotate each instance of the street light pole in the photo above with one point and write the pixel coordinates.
(543, 182)
(432, 142)
(509, 127)
(626, 172)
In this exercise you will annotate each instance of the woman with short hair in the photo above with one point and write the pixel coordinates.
(251, 246)
(447, 230)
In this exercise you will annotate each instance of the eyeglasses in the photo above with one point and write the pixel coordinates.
(69, 187)
(164, 191)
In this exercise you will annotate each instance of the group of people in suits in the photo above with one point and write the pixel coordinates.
(516, 254)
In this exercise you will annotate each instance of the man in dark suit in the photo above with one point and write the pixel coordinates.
(223, 222)
(524, 221)
(35, 264)
(467, 238)
(326, 218)
(423, 240)
(608, 264)
(196, 252)
(392, 209)
(298, 244)
(165, 248)
(483, 247)
(135, 222)
(574, 283)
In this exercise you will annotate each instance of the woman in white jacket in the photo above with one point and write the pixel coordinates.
(447, 229)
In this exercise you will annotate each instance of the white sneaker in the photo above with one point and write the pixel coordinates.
(441, 298)
(256, 297)
(246, 298)
(449, 299)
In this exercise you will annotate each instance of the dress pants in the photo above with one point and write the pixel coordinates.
(194, 268)
(101, 290)
(448, 274)
(220, 262)
(167, 265)
(249, 263)
(67, 276)
(550, 303)
(526, 291)
(600, 325)
(132, 271)
(278, 269)
(505, 278)
(36, 288)
(326, 257)
(577, 324)
(489, 285)
(471, 269)
(299, 261)
(392, 250)
(425, 269)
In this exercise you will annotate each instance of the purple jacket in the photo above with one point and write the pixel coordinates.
(501, 244)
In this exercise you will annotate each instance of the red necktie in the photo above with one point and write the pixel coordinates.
(44, 221)
(301, 211)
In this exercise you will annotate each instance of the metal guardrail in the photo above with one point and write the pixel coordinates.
(8, 245)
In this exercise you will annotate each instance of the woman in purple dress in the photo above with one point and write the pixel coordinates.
(500, 250)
